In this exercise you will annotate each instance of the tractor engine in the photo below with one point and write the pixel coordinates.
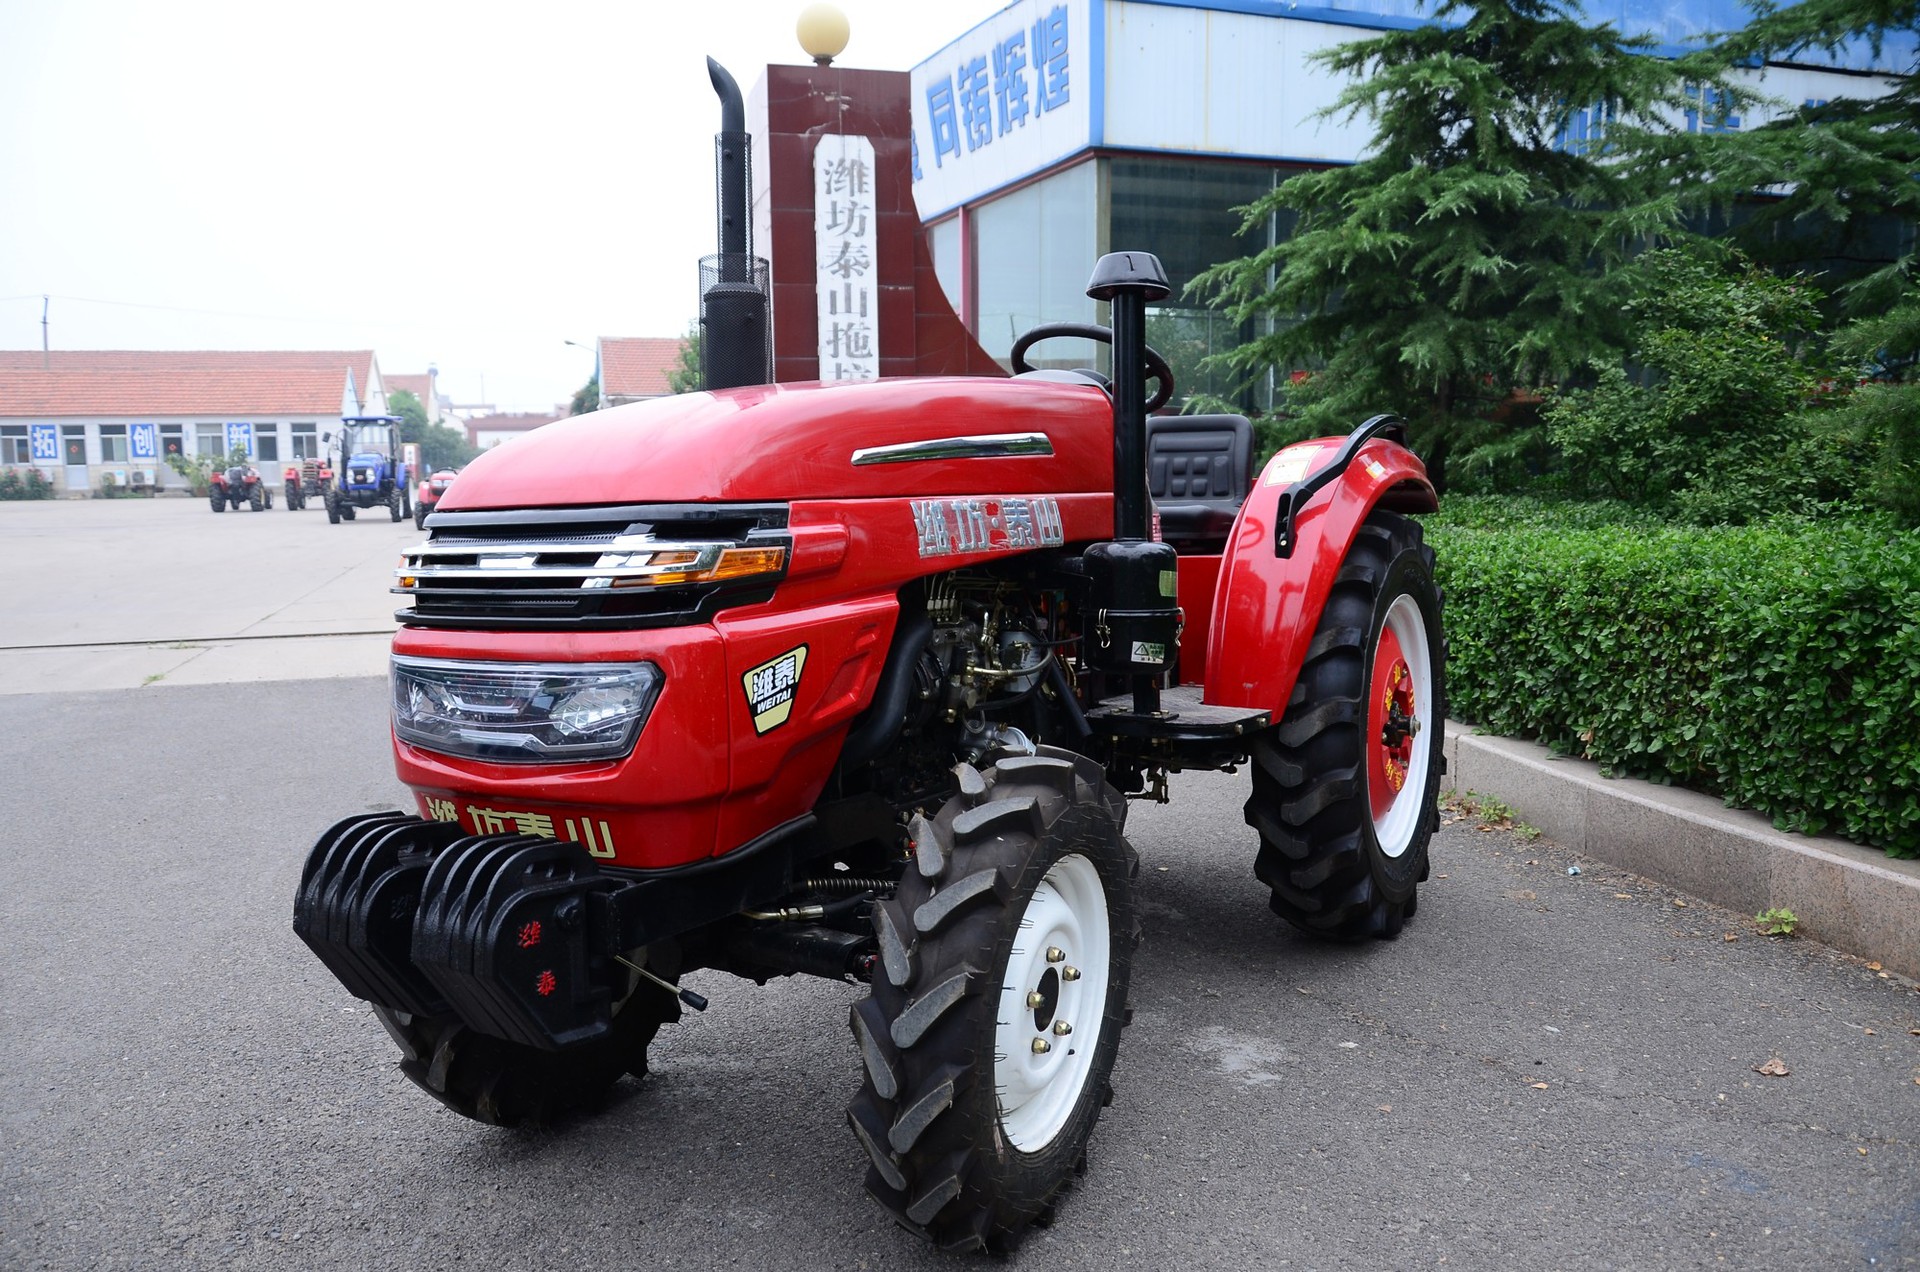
(986, 678)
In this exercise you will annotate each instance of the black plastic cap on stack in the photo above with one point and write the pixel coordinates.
(1119, 271)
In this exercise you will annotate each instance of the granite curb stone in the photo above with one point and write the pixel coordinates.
(1855, 899)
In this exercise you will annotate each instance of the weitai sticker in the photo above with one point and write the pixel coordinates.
(771, 686)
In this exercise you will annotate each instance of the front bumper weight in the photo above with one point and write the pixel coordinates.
(356, 903)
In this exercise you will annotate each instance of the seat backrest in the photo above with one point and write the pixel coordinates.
(1199, 458)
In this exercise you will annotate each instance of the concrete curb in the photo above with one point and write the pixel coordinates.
(1855, 899)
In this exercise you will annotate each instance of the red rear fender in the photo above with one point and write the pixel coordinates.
(1266, 607)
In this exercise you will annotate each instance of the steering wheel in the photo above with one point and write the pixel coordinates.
(1157, 366)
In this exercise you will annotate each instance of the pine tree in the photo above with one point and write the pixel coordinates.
(1477, 248)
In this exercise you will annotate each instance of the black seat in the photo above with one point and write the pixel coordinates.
(1199, 468)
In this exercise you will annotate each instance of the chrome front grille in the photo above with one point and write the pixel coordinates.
(631, 566)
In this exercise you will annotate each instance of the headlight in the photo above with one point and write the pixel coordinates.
(523, 712)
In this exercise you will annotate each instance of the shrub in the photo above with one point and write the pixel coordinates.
(1777, 665)
(24, 483)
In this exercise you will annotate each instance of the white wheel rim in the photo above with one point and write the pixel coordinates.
(1394, 829)
(1061, 952)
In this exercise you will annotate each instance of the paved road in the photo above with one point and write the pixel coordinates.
(115, 593)
(1544, 1072)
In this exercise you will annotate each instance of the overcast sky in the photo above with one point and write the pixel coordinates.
(467, 184)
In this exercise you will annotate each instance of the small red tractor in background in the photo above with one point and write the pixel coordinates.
(855, 681)
(306, 480)
(427, 498)
(238, 484)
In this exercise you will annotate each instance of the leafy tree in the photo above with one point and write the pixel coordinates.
(440, 446)
(1720, 430)
(685, 375)
(1845, 170)
(586, 397)
(1477, 248)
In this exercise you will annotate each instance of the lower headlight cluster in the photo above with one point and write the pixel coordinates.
(522, 712)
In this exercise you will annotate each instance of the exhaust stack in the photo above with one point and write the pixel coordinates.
(735, 336)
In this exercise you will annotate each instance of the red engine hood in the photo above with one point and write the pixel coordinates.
(788, 441)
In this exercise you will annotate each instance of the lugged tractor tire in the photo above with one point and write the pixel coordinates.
(256, 499)
(393, 504)
(1345, 790)
(997, 1004)
(219, 500)
(333, 510)
(508, 1084)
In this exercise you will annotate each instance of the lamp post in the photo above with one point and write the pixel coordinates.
(822, 31)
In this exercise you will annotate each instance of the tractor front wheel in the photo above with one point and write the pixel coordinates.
(998, 1001)
(420, 516)
(1345, 790)
(508, 1084)
(333, 508)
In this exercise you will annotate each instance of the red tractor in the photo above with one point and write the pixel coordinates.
(427, 498)
(235, 485)
(855, 681)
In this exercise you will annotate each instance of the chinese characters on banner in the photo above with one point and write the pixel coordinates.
(240, 435)
(142, 441)
(1031, 76)
(45, 442)
(847, 263)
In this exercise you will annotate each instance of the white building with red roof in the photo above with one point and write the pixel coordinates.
(88, 418)
(633, 368)
(485, 432)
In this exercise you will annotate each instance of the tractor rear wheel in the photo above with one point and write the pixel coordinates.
(507, 1084)
(1345, 790)
(998, 1001)
(256, 499)
(219, 501)
(393, 503)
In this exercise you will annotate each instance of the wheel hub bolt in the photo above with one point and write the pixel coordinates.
(1069, 973)
(1041, 1046)
(1055, 954)
(1034, 999)
(1061, 1028)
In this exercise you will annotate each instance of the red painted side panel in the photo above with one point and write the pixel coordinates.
(1198, 577)
(1266, 607)
(780, 442)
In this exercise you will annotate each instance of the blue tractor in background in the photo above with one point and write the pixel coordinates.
(368, 471)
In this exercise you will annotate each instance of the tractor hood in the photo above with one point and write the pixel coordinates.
(798, 441)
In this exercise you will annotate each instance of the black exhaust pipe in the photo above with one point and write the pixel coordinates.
(735, 348)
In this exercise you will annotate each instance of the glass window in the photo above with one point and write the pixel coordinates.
(210, 441)
(306, 444)
(1034, 250)
(113, 443)
(1182, 210)
(14, 448)
(266, 441)
(943, 241)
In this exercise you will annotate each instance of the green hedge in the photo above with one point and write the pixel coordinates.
(1777, 665)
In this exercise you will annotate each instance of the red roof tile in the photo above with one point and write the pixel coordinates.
(137, 382)
(637, 366)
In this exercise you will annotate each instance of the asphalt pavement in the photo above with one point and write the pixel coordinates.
(1545, 1071)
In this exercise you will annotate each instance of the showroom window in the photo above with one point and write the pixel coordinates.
(14, 448)
(266, 442)
(306, 444)
(113, 443)
(1036, 249)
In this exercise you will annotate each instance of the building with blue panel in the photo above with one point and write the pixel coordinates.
(1058, 130)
